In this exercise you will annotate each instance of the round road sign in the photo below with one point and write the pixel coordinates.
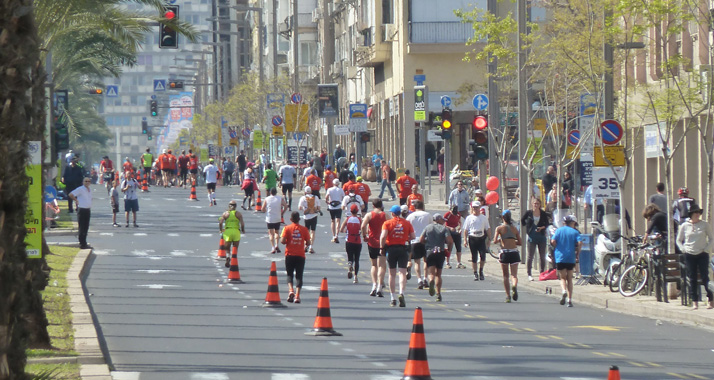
(277, 120)
(610, 132)
(574, 137)
(296, 98)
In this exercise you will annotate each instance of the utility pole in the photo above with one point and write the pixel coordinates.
(522, 113)
(275, 42)
(296, 47)
(494, 114)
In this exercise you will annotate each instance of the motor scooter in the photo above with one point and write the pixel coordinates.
(608, 253)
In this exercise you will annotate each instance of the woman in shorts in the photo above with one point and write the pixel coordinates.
(507, 235)
(248, 186)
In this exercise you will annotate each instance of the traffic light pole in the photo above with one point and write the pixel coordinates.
(422, 160)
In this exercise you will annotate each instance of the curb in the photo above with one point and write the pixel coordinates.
(86, 342)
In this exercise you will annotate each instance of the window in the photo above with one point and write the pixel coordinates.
(308, 53)
(387, 12)
(379, 73)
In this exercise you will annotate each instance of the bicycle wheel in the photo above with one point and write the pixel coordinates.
(633, 280)
(615, 272)
(493, 254)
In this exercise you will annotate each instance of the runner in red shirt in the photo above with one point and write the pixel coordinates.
(106, 167)
(314, 182)
(363, 191)
(172, 167)
(453, 224)
(404, 187)
(127, 166)
(295, 238)
(165, 167)
(371, 230)
(351, 182)
(413, 197)
(330, 176)
(183, 160)
(393, 241)
(192, 166)
(353, 241)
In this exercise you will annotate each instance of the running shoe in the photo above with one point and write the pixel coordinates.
(480, 276)
(475, 276)
(461, 266)
(448, 266)
(291, 297)
(409, 272)
(311, 250)
(379, 294)
(530, 278)
(515, 293)
(127, 225)
(273, 251)
(421, 285)
(116, 225)
(215, 203)
(438, 297)
(136, 225)
(570, 303)
(349, 271)
(228, 262)
(337, 240)
(355, 281)
(402, 302)
(393, 303)
(373, 293)
(432, 291)
(297, 300)
(562, 298)
(508, 299)
(277, 249)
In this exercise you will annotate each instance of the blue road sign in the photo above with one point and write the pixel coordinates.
(277, 121)
(296, 98)
(445, 101)
(480, 102)
(159, 85)
(574, 137)
(419, 78)
(358, 111)
(112, 91)
(610, 132)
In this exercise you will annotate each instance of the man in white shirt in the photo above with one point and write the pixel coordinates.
(129, 187)
(288, 176)
(334, 197)
(477, 236)
(310, 206)
(83, 196)
(419, 220)
(352, 198)
(274, 207)
(211, 174)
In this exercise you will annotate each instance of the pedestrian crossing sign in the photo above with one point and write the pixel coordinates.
(159, 85)
(112, 91)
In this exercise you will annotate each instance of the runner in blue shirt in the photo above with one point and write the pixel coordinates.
(567, 243)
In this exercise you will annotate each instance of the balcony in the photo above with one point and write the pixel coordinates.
(372, 53)
(429, 37)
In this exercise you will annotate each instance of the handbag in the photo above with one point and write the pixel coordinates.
(548, 275)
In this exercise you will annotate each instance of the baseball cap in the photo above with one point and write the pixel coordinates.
(328, 167)
(210, 160)
(475, 204)
(437, 217)
(395, 209)
(506, 212)
(163, 151)
(404, 208)
(354, 208)
(335, 181)
(359, 178)
(308, 190)
(478, 191)
(695, 209)
(569, 218)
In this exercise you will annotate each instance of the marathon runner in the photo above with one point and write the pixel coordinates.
(371, 230)
(192, 167)
(172, 167)
(314, 182)
(434, 237)
(364, 192)
(270, 178)
(310, 206)
(234, 226)
(147, 160)
(211, 173)
(274, 207)
(334, 197)
(477, 237)
(353, 241)
(295, 237)
(106, 167)
(393, 242)
(419, 220)
(288, 176)
(165, 167)
(183, 163)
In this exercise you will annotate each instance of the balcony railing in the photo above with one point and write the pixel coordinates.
(448, 32)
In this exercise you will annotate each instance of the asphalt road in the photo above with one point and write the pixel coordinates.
(166, 311)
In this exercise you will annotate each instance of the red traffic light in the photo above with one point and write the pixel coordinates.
(169, 14)
(480, 122)
(96, 91)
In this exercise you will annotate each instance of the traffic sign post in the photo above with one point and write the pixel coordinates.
(605, 185)
(614, 154)
(574, 137)
(480, 102)
(610, 132)
(296, 98)
(159, 85)
(445, 101)
(421, 103)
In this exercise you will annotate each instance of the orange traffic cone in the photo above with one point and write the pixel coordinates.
(272, 299)
(145, 184)
(221, 249)
(614, 373)
(234, 271)
(417, 367)
(323, 320)
(193, 197)
(258, 203)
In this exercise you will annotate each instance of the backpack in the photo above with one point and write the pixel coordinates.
(311, 209)
(392, 175)
(681, 210)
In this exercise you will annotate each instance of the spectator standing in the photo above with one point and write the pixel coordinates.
(323, 157)
(656, 221)
(68, 157)
(536, 221)
(695, 239)
(440, 165)
(130, 188)
(567, 243)
(83, 196)
(377, 159)
(659, 198)
(242, 163)
(228, 168)
(549, 179)
(681, 208)
(72, 178)
(387, 178)
(338, 153)
(404, 187)
(459, 199)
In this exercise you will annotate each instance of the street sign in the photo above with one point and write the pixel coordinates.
(574, 137)
(586, 169)
(159, 85)
(445, 101)
(358, 117)
(480, 102)
(112, 91)
(432, 136)
(246, 132)
(421, 95)
(276, 121)
(277, 131)
(296, 117)
(615, 154)
(296, 98)
(419, 78)
(342, 130)
(610, 132)
(275, 100)
(605, 183)
(328, 100)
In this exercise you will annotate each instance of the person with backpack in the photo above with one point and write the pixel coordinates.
(681, 208)
(310, 206)
(352, 198)
(388, 175)
(353, 241)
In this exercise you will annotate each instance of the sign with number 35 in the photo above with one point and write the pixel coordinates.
(605, 182)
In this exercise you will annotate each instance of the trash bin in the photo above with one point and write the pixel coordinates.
(587, 259)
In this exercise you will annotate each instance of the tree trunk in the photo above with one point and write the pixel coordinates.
(20, 119)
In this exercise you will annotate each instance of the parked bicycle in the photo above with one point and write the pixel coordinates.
(618, 265)
(637, 276)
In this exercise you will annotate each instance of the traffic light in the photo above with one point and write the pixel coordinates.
(96, 91)
(176, 85)
(168, 38)
(61, 137)
(480, 137)
(154, 106)
(149, 135)
(144, 127)
(446, 122)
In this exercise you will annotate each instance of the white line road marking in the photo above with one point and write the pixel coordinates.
(196, 206)
(361, 356)
(169, 199)
(384, 377)
(155, 271)
(378, 364)
(206, 235)
(311, 288)
(158, 286)
(107, 234)
(141, 252)
(209, 376)
(348, 350)
(173, 235)
(102, 251)
(332, 342)
(289, 376)
(139, 234)
(125, 375)
(180, 252)
(337, 255)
